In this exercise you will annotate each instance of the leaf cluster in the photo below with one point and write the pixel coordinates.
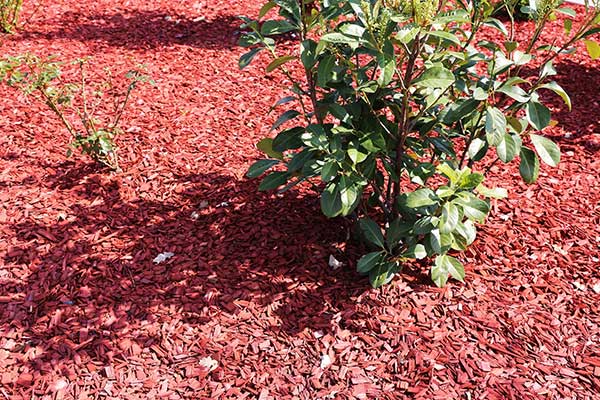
(400, 113)
(75, 102)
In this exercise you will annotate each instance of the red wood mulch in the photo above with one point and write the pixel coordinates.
(85, 313)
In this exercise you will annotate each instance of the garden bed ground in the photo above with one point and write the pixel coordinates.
(86, 313)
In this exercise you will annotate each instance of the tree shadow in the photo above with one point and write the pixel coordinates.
(93, 281)
(582, 123)
(143, 30)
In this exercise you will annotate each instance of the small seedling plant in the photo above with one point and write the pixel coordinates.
(9, 14)
(401, 109)
(75, 102)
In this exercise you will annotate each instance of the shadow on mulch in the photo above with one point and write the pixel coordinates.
(144, 30)
(93, 277)
(583, 121)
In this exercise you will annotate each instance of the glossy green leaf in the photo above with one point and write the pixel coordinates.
(259, 167)
(495, 125)
(382, 274)
(372, 232)
(285, 117)
(435, 77)
(278, 62)
(420, 198)
(273, 180)
(593, 48)
(451, 216)
(546, 149)
(276, 27)
(538, 115)
(474, 208)
(507, 149)
(529, 167)
(369, 261)
(288, 139)
(446, 265)
(247, 58)
(266, 146)
(556, 88)
(329, 171)
(331, 202)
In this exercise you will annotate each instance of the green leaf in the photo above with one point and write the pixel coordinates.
(474, 208)
(369, 261)
(420, 198)
(276, 27)
(337, 37)
(466, 230)
(372, 232)
(514, 92)
(285, 117)
(446, 265)
(265, 9)
(507, 149)
(407, 33)
(291, 8)
(469, 180)
(273, 180)
(324, 71)
(349, 195)
(477, 149)
(446, 36)
(299, 159)
(331, 203)
(435, 77)
(451, 216)
(356, 155)
(556, 88)
(396, 231)
(448, 172)
(259, 167)
(529, 167)
(308, 53)
(288, 139)
(537, 114)
(494, 193)
(593, 48)
(266, 146)
(547, 70)
(329, 171)
(279, 62)
(382, 274)
(416, 251)
(546, 149)
(246, 58)
(496, 24)
(495, 126)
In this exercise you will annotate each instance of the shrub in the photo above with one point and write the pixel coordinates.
(9, 14)
(74, 102)
(400, 111)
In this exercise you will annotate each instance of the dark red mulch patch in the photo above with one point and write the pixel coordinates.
(86, 313)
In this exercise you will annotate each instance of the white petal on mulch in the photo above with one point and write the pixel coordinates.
(325, 361)
(333, 263)
(209, 363)
(162, 257)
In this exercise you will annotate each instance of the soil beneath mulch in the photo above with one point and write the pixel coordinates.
(85, 313)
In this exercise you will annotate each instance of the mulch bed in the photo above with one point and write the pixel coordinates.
(248, 307)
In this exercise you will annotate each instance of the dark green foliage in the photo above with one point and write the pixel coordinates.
(395, 120)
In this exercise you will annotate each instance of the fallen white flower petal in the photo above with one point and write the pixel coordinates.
(333, 263)
(325, 361)
(163, 257)
(209, 363)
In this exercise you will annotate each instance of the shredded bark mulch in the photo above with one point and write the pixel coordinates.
(247, 307)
